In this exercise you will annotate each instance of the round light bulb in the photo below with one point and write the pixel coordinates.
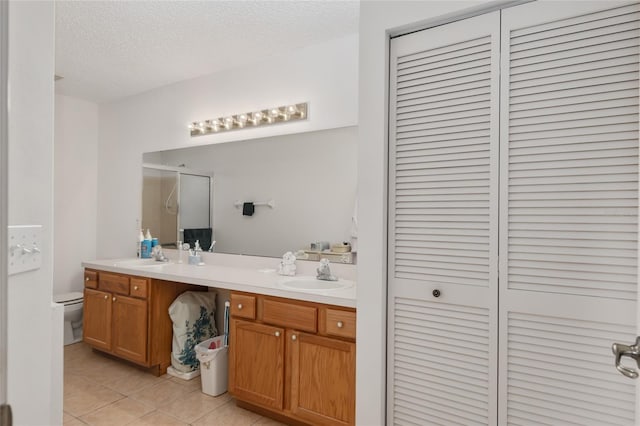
(274, 112)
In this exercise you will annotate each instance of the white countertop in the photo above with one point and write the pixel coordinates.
(251, 279)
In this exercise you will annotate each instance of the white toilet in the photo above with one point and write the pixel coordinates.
(72, 315)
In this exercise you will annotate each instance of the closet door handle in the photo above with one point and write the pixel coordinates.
(632, 351)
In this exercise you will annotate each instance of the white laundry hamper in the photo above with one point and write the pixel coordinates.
(213, 366)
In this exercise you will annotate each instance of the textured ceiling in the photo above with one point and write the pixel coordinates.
(107, 50)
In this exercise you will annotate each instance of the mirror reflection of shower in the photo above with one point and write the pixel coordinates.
(174, 199)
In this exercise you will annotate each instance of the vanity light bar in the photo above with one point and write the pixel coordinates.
(281, 114)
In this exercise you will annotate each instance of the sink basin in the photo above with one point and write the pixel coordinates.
(311, 283)
(140, 263)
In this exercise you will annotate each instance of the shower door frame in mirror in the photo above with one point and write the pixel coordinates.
(176, 194)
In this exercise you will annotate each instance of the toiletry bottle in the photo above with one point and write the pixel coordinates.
(140, 240)
(146, 246)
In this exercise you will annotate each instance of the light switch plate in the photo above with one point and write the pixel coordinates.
(25, 245)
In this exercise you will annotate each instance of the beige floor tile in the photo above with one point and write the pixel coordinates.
(228, 415)
(157, 418)
(193, 384)
(265, 421)
(101, 390)
(134, 381)
(161, 394)
(120, 412)
(69, 420)
(76, 351)
(194, 405)
(85, 396)
(102, 371)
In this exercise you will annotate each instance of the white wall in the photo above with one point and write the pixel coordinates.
(32, 392)
(75, 189)
(310, 176)
(377, 19)
(325, 75)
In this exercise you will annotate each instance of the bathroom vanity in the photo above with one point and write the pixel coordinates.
(293, 358)
(292, 339)
(126, 316)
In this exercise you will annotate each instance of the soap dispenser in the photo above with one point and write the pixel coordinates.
(145, 249)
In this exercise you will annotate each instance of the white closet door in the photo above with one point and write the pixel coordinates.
(568, 211)
(443, 141)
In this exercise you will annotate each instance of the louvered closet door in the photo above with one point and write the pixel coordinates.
(568, 212)
(442, 357)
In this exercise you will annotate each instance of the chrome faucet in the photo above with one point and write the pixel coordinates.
(324, 272)
(158, 255)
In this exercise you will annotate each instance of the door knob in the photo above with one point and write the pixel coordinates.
(632, 351)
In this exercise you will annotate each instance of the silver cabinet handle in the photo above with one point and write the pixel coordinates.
(106, 297)
(239, 306)
(135, 287)
(294, 337)
(277, 334)
(114, 299)
(86, 278)
(340, 324)
(633, 352)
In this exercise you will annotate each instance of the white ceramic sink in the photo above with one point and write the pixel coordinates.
(312, 283)
(141, 263)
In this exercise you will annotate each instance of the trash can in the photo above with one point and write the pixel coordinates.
(213, 365)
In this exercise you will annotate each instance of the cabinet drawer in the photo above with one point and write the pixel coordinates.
(90, 279)
(139, 288)
(114, 283)
(299, 317)
(341, 323)
(243, 306)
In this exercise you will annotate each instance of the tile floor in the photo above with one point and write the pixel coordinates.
(102, 391)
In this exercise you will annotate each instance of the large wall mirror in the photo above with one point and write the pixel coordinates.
(174, 199)
(309, 179)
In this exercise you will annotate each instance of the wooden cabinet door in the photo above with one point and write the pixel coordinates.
(322, 379)
(130, 328)
(256, 363)
(97, 319)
